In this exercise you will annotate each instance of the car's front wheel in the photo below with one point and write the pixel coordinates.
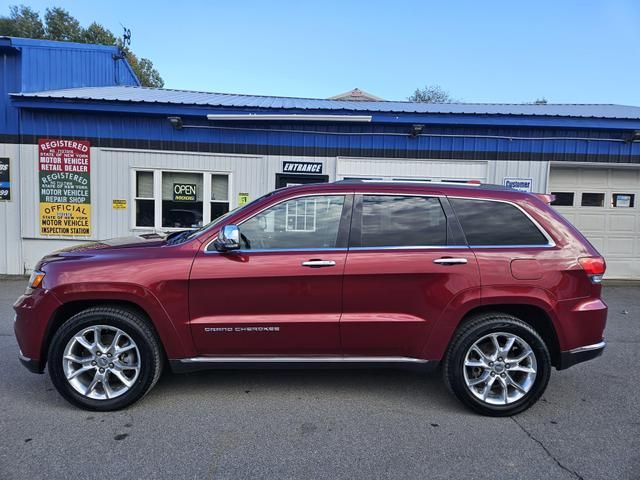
(104, 358)
(497, 365)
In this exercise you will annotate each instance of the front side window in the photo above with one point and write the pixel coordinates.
(495, 223)
(402, 221)
(300, 223)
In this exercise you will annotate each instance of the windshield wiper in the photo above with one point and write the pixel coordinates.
(175, 237)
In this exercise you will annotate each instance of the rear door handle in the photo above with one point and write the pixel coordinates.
(319, 263)
(450, 261)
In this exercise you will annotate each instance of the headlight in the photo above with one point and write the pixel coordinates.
(35, 281)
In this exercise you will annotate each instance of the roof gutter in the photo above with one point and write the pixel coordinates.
(252, 117)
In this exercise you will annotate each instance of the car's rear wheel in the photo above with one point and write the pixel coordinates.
(497, 365)
(104, 358)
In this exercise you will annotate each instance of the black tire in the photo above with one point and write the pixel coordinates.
(474, 330)
(131, 323)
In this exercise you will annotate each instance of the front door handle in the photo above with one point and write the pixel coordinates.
(319, 263)
(450, 261)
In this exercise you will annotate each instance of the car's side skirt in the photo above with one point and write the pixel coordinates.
(268, 361)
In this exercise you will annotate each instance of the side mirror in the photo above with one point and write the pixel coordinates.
(228, 238)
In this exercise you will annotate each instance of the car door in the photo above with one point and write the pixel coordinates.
(406, 264)
(281, 293)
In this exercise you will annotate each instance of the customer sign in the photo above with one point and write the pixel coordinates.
(65, 194)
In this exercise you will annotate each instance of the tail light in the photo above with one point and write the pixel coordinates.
(594, 267)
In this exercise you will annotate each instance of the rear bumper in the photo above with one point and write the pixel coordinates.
(580, 354)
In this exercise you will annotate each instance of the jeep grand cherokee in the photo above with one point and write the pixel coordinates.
(491, 284)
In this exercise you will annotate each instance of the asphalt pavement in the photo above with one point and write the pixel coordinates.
(331, 424)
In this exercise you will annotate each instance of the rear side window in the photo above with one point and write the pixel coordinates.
(402, 221)
(495, 223)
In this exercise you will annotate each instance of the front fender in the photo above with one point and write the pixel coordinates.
(174, 334)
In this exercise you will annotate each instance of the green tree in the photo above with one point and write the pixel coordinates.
(60, 25)
(430, 94)
(22, 22)
(96, 33)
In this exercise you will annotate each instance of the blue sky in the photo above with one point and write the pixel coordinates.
(480, 51)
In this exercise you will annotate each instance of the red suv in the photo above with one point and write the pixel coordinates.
(490, 283)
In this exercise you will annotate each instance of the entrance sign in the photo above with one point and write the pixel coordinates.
(65, 192)
(302, 167)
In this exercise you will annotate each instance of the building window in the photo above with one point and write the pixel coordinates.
(178, 200)
(623, 200)
(219, 195)
(592, 200)
(144, 199)
(181, 200)
(301, 215)
(563, 199)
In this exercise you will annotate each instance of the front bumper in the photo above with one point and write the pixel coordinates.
(580, 354)
(34, 366)
(33, 313)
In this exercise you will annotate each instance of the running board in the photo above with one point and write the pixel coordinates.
(262, 362)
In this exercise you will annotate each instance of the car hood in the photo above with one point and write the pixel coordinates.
(145, 240)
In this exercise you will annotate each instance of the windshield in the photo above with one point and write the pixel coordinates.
(194, 233)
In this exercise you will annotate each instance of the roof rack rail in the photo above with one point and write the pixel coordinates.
(411, 180)
(461, 183)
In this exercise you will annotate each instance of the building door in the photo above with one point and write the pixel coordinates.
(603, 204)
(292, 179)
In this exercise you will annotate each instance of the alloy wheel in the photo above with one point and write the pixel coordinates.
(500, 368)
(101, 362)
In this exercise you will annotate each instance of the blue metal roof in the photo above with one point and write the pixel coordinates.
(184, 97)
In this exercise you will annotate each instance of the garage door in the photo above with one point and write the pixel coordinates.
(410, 169)
(603, 204)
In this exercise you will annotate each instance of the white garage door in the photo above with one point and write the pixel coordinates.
(603, 204)
(410, 169)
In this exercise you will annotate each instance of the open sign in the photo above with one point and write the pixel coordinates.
(184, 192)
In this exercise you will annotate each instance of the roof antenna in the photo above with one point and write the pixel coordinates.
(126, 36)
(122, 44)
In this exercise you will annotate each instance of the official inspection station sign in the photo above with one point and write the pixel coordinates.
(65, 192)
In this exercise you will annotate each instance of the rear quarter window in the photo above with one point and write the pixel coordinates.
(489, 223)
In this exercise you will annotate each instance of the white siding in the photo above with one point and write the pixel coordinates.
(536, 171)
(394, 168)
(10, 245)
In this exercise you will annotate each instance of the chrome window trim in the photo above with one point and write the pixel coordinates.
(412, 247)
(550, 242)
(330, 194)
(272, 250)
